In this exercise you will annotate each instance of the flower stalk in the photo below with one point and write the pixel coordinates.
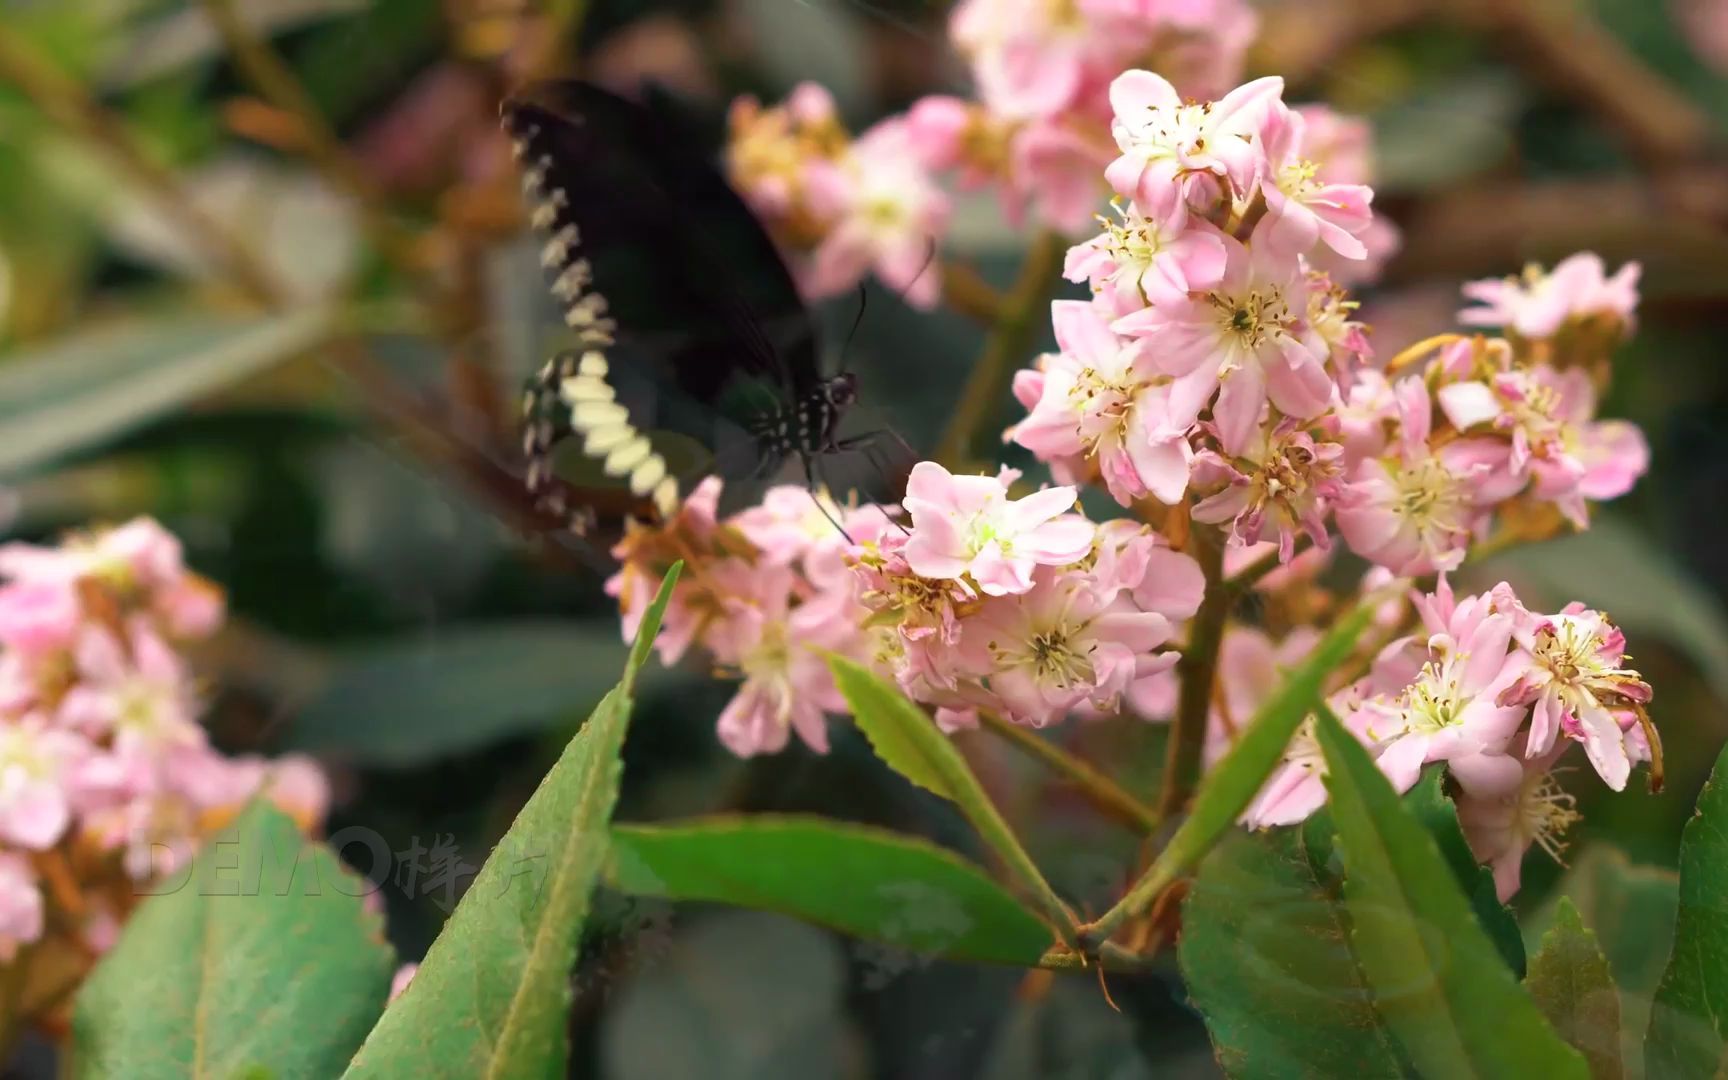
(1020, 317)
(1198, 670)
(1098, 789)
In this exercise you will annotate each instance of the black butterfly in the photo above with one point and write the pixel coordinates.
(695, 354)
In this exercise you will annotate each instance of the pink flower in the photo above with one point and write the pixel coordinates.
(778, 649)
(967, 525)
(1537, 304)
(1143, 259)
(400, 981)
(21, 909)
(885, 213)
(39, 616)
(1302, 208)
(1057, 164)
(297, 785)
(1247, 339)
(1297, 787)
(1031, 58)
(1414, 510)
(1284, 481)
(137, 695)
(1206, 150)
(37, 763)
(1101, 398)
(638, 578)
(1575, 676)
(190, 608)
(1452, 710)
(1046, 652)
(1501, 824)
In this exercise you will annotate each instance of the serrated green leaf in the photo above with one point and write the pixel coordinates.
(1631, 909)
(896, 729)
(84, 390)
(1439, 981)
(908, 741)
(1570, 983)
(1428, 802)
(493, 995)
(1688, 1033)
(1265, 953)
(868, 882)
(262, 925)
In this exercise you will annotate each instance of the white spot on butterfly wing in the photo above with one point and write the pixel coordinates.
(593, 363)
(666, 497)
(624, 459)
(584, 388)
(592, 415)
(646, 475)
(601, 440)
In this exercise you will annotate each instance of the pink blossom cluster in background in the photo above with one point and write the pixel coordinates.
(1037, 133)
(106, 777)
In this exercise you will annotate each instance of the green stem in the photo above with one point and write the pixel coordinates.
(1250, 575)
(1100, 790)
(1198, 670)
(1022, 312)
(71, 107)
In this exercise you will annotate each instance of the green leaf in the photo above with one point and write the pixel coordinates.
(905, 737)
(420, 699)
(1440, 984)
(1631, 909)
(85, 390)
(867, 882)
(899, 731)
(1265, 953)
(259, 956)
(492, 997)
(1689, 1018)
(1428, 802)
(1569, 982)
(1648, 593)
(1232, 784)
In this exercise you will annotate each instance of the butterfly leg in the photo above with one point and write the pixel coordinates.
(813, 477)
(870, 445)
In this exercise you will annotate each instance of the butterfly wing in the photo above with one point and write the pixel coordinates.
(670, 286)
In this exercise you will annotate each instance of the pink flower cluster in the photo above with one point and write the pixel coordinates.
(1037, 133)
(843, 207)
(987, 601)
(1497, 693)
(105, 774)
(766, 594)
(1219, 356)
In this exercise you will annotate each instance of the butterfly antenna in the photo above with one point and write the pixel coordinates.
(857, 321)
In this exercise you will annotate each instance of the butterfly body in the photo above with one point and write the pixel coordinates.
(686, 321)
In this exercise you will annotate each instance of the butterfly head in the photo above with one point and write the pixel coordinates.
(841, 390)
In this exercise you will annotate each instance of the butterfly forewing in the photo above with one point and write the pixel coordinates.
(686, 320)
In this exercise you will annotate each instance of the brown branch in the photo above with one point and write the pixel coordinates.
(69, 105)
(1021, 314)
(1559, 43)
(1676, 224)
(1101, 791)
(1197, 669)
(965, 290)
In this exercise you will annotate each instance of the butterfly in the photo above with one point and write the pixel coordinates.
(694, 354)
